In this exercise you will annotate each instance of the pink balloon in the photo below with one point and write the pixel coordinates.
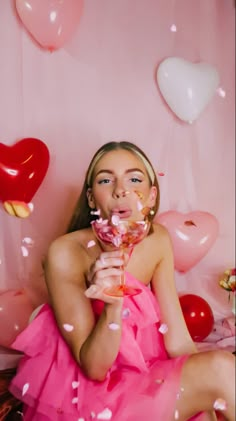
(15, 310)
(50, 22)
(192, 234)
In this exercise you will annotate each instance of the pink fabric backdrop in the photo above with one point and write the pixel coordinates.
(101, 86)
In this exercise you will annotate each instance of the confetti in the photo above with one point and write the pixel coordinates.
(28, 241)
(31, 206)
(96, 212)
(173, 28)
(25, 252)
(91, 243)
(220, 404)
(176, 414)
(75, 400)
(106, 414)
(161, 174)
(126, 313)
(139, 206)
(139, 194)
(75, 384)
(68, 327)
(163, 329)
(115, 219)
(25, 388)
(114, 326)
(221, 92)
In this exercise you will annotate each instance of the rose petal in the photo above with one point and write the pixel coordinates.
(75, 384)
(220, 404)
(68, 327)
(176, 414)
(126, 313)
(91, 243)
(106, 414)
(114, 326)
(163, 328)
(25, 388)
(115, 219)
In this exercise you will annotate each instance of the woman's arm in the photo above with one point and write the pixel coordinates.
(94, 345)
(177, 339)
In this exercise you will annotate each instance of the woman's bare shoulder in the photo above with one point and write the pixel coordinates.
(69, 247)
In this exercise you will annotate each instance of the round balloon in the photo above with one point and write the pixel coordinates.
(198, 316)
(187, 87)
(51, 23)
(15, 311)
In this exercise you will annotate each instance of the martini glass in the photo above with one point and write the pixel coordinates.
(123, 235)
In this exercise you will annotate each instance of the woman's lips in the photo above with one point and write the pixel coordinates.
(122, 213)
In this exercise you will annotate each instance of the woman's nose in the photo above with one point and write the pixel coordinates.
(119, 190)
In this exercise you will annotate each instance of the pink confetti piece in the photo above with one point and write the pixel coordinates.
(91, 243)
(220, 404)
(25, 388)
(126, 313)
(139, 206)
(75, 384)
(163, 328)
(161, 174)
(28, 241)
(115, 219)
(75, 400)
(31, 206)
(95, 212)
(176, 414)
(106, 414)
(25, 251)
(173, 28)
(221, 92)
(114, 326)
(68, 327)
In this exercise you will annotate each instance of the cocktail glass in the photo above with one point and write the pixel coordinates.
(123, 235)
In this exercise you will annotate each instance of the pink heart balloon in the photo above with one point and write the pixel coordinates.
(192, 235)
(50, 22)
(15, 311)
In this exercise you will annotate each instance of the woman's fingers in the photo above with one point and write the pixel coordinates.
(95, 292)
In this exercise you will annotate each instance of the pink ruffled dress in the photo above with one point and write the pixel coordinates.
(142, 384)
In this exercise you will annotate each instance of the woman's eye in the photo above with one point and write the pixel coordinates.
(135, 180)
(104, 181)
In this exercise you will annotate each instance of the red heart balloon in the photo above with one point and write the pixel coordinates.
(192, 235)
(23, 167)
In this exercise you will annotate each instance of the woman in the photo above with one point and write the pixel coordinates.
(89, 355)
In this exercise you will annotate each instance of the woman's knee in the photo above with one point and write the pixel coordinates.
(215, 369)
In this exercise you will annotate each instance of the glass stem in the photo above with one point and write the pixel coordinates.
(122, 276)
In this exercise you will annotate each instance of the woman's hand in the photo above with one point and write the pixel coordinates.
(106, 271)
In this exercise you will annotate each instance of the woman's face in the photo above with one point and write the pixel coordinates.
(121, 186)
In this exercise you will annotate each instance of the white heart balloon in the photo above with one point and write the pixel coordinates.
(187, 87)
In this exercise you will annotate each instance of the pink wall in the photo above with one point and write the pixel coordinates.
(101, 86)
